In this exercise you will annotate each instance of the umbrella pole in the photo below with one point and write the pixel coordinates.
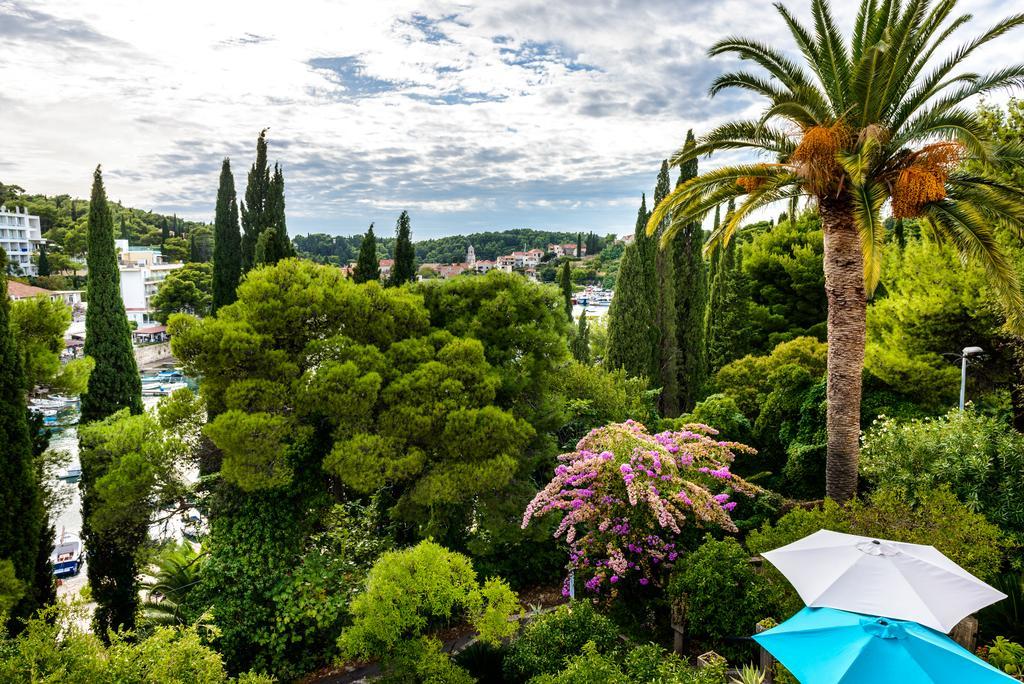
(766, 661)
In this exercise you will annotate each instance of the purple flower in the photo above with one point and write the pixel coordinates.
(613, 579)
(729, 506)
(644, 581)
(625, 468)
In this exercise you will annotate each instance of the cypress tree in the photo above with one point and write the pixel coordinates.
(227, 241)
(565, 282)
(632, 337)
(404, 269)
(124, 229)
(276, 245)
(367, 266)
(22, 516)
(165, 231)
(114, 384)
(691, 301)
(255, 215)
(726, 315)
(580, 344)
(44, 262)
(579, 245)
(665, 313)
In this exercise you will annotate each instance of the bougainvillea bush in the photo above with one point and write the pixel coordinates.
(627, 496)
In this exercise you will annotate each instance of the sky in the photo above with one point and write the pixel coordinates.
(472, 115)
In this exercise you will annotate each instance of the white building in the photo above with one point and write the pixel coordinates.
(470, 256)
(142, 271)
(20, 237)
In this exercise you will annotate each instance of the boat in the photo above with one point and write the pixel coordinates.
(68, 557)
(70, 474)
(193, 527)
(172, 374)
(162, 389)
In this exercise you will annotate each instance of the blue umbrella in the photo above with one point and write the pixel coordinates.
(828, 646)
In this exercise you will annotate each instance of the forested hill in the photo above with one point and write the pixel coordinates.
(445, 250)
(63, 221)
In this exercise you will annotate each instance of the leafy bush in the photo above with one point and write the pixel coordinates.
(408, 593)
(748, 380)
(627, 496)
(54, 648)
(595, 396)
(546, 642)
(1007, 656)
(721, 411)
(981, 459)
(725, 597)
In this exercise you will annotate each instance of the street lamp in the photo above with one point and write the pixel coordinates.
(968, 352)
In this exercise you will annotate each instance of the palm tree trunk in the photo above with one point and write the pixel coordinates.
(847, 313)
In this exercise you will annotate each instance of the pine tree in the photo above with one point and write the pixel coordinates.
(665, 313)
(691, 301)
(367, 267)
(22, 516)
(632, 337)
(227, 241)
(43, 267)
(404, 269)
(579, 346)
(565, 282)
(255, 209)
(114, 384)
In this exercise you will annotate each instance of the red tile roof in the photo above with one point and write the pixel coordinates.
(16, 290)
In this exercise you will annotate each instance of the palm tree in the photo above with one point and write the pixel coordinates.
(857, 128)
(176, 571)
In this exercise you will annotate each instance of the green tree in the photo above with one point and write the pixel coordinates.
(404, 269)
(367, 267)
(43, 267)
(114, 383)
(272, 244)
(38, 325)
(632, 337)
(175, 249)
(255, 209)
(579, 245)
(880, 119)
(188, 289)
(665, 311)
(565, 283)
(579, 346)
(691, 291)
(23, 515)
(727, 315)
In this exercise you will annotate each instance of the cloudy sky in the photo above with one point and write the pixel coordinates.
(482, 114)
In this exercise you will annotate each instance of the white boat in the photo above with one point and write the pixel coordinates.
(68, 556)
(162, 389)
(70, 474)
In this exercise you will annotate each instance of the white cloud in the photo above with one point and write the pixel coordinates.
(494, 114)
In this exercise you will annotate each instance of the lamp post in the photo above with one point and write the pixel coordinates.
(968, 352)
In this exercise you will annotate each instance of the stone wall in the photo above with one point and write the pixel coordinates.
(153, 353)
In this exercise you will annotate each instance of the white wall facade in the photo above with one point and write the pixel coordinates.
(20, 237)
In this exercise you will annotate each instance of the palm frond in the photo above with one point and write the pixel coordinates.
(963, 226)
(868, 200)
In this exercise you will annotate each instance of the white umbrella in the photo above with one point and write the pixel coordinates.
(879, 577)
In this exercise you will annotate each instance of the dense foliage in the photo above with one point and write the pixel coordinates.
(409, 592)
(227, 241)
(188, 289)
(24, 517)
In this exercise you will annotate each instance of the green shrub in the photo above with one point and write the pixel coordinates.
(648, 664)
(1007, 656)
(545, 643)
(981, 459)
(725, 597)
(720, 411)
(590, 667)
(410, 592)
(54, 647)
